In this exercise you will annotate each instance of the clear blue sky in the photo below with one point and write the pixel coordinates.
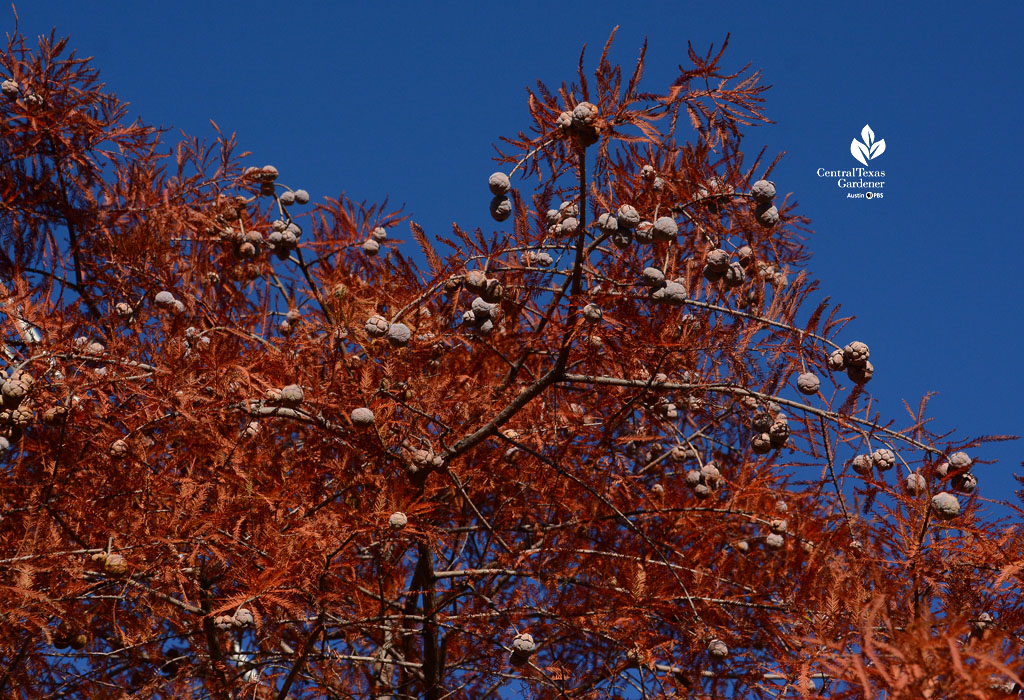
(405, 99)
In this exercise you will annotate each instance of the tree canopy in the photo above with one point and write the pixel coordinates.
(259, 443)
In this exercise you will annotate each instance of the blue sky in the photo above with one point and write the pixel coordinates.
(404, 100)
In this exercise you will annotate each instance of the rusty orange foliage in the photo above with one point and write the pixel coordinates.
(197, 504)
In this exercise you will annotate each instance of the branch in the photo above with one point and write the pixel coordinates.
(432, 670)
(297, 666)
(743, 391)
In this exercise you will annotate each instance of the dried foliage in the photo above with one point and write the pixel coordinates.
(254, 450)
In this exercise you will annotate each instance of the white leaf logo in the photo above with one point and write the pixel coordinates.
(859, 151)
(867, 135)
(869, 148)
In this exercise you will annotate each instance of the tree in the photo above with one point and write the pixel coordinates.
(252, 449)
